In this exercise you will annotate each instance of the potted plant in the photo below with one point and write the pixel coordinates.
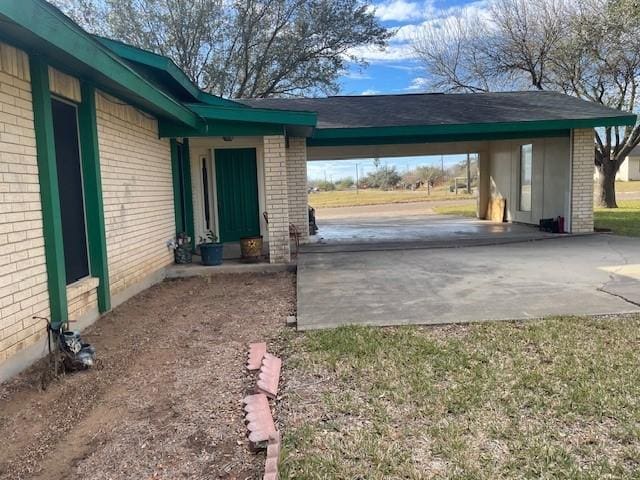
(181, 248)
(210, 249)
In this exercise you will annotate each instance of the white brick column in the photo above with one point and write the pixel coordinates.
(582, 149)
(297, 185)
(277, 198)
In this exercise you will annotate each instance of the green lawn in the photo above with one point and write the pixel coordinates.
(459, 210)
(348, 198)
(624, 220)
(552, 399)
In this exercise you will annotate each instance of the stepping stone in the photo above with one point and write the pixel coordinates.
(269, 376)
(258, 418)
(257, 352)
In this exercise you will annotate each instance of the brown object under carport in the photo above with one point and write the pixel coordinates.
(496, 209)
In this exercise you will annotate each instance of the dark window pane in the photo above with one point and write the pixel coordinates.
(65, 129)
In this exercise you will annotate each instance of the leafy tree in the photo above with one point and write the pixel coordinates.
(344, 183)
(590, 49)
(242, 48)
(385, 177)
(326, 186)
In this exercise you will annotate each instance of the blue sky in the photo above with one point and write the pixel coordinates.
(394, 70)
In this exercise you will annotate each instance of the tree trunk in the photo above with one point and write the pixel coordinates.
(607, 185)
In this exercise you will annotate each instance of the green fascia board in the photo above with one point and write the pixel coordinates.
(472, 128)
(160, 62)
(94, 206)
(177, 196)
(255, 115)
(211, 99)
(412, 139)
(219, 129)
(49, 25)
(49, 192)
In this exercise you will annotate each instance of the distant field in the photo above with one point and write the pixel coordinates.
(628, 186)
(459, 210)
(348, 198)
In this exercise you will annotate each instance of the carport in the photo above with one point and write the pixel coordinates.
(536, 154)
(535, 149)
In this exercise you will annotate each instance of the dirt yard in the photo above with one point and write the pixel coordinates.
(166, 402)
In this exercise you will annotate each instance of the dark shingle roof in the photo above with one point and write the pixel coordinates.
(441, 109)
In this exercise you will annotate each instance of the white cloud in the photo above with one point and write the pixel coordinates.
(398, 10)
(392, 53)
(417, 84)
(418, 15)
(370, 92)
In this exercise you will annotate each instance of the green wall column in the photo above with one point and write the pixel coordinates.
(49, 195)
(177, 194)
(93, 194)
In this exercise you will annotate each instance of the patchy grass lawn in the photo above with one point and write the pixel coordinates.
(552, 399)
(460, 210)
(349, 198)
(624, 220)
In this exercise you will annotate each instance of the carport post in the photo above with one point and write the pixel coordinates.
(483, 183)
(277, 198)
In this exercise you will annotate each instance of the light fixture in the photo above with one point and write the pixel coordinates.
(227, 139)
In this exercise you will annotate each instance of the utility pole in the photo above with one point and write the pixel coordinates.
(357, 180)
(468, 173)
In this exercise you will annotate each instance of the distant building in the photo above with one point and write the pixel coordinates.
(630, 168)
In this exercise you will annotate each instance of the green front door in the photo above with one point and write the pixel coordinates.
(237, 188)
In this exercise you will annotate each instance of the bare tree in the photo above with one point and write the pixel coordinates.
(590, 49)
(242, 48)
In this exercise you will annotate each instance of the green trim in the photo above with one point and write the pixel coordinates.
(255, 115)
(160, 62)
(91, 177)
(471, 128)
(398, 140)
(188, 192)
(177, 195)
(52, 28)
(49, 195)
(219, 129)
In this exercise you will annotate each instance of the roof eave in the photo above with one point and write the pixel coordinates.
(255, 115)
(475, 128)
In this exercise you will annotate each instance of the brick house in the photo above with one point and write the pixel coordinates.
(106, 151)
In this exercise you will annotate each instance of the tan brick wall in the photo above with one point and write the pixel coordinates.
(582, 181)
(64, 85)
(23, 278)
(277, 202)
(137, 191)
(297, 185)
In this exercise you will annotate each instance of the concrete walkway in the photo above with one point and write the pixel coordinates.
(598, 274)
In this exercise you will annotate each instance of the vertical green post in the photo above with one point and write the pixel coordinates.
(177, 193)
(49, 194)
(187, 191)
(93, 194)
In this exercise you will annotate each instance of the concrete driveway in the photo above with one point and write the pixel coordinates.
(598, 274)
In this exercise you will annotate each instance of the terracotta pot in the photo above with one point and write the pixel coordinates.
(251, 248)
